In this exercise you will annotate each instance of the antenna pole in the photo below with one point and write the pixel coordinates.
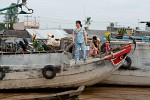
(27, 16)
(35, 22)
(138, 22)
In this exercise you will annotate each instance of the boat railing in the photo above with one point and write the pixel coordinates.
(127, 38)
(34, 52)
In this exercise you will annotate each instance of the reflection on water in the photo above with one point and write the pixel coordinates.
(98, 93)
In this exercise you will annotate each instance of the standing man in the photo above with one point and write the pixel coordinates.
(79, 40)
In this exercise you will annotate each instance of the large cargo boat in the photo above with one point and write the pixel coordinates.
(55, 70)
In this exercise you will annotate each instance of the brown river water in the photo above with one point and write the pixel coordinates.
(91, 93)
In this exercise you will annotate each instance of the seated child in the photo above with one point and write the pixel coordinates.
(94, 47)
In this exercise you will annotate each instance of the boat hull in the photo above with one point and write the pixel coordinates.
(75, 75)
(140, 59)
(129, 77)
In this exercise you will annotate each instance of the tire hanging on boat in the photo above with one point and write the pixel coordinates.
(128, 63)
(49, 72)
(2, 74)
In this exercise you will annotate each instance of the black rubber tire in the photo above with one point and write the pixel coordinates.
(128, 63)
(26, 41)
(52, 36)
(2, 74)
(49, 68)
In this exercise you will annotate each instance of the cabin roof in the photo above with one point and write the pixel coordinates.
(17, 33)
(43, 34)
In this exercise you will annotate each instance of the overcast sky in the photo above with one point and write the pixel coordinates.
(64, 13)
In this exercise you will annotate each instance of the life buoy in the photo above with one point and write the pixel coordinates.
(49, 72)
(127, 63)
(2, 74)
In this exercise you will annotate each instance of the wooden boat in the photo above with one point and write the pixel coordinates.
(141, 56)
(129, 77)
(140, 60)
(55, 70)
(87, 74)
(73, 94)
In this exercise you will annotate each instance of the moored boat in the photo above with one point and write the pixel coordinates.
(67, 95)
(55, 70)
(138, 60)
(129, 77)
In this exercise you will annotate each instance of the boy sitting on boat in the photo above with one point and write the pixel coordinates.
(94, 47)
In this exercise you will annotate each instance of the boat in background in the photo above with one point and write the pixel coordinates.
(129, 77)
(137, 67)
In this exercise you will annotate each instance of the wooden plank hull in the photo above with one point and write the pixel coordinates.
(140, 59)
(87, 74)
(129, 77)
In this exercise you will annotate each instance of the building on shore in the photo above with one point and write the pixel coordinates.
(25, 25)
(91, 33)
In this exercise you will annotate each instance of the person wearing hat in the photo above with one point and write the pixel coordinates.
(94, 47)
(79, 40)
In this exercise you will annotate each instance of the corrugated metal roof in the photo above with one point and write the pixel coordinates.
(43, 34)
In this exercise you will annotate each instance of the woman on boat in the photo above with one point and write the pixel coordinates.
(79, 40)
(94, 47)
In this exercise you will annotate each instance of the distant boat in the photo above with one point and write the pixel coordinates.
(129, 77)
(140, 61)
(136, 69)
